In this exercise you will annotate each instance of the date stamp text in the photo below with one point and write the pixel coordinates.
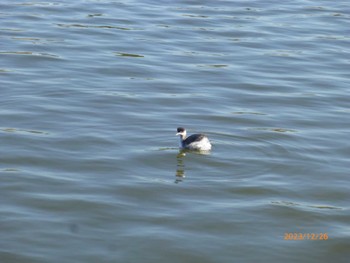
(305, 236)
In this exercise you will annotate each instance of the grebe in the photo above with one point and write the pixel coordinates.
(198, 142)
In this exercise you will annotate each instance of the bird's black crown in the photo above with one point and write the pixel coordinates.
(180, 129)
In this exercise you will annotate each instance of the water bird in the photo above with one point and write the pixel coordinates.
(197, 142)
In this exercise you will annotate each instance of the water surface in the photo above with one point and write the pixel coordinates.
(92, 93)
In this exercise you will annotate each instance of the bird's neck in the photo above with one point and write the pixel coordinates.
(181, 138)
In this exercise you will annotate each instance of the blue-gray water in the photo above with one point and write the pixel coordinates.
(91, 95)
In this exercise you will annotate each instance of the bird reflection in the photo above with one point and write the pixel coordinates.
(180, 169)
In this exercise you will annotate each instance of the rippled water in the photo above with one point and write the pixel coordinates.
(91, 95)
